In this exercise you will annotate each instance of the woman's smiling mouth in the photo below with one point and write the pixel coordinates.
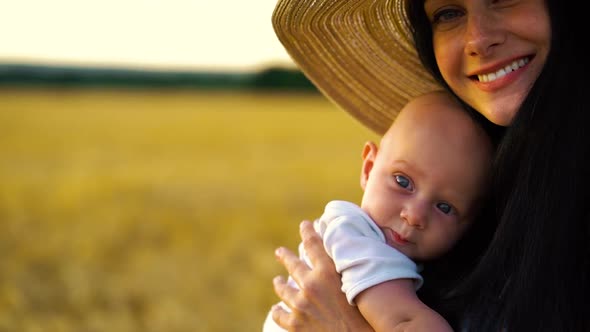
(515, 65)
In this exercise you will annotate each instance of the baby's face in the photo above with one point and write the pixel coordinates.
(427, 177)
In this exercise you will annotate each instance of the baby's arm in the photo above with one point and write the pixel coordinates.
(380, 280)
(394, 306)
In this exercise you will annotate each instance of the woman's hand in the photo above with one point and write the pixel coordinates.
(319, 304)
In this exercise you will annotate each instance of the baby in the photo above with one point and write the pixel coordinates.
(422, 189)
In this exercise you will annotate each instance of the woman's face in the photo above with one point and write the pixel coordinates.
(490, 52)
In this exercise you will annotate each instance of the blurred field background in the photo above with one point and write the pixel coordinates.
(148, 210)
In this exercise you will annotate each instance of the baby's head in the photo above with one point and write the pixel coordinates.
(425, 182)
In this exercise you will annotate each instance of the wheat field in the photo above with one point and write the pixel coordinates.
(158, 211)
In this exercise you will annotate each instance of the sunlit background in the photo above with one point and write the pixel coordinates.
(173, 34)
(152, 156)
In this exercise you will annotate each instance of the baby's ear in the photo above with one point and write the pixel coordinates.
(369, 154)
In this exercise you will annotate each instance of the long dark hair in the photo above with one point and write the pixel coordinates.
(533, 272)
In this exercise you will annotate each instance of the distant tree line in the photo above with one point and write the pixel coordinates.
(274, 78)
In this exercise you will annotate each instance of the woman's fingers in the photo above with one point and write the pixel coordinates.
(314, 246)
(285, 291)
(281, 316)
(290, 295)
(312, 299)
(296, 267)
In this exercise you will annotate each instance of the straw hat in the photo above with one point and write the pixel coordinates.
(358, 53)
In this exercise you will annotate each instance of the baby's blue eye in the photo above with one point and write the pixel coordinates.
(403, 181)
(444, 207)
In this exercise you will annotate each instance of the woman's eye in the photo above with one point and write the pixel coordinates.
(444, 207)
(446, 15)
(403, 182)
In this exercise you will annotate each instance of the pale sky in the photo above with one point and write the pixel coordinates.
(177, 34)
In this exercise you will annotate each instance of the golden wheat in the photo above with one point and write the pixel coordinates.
(159, 210)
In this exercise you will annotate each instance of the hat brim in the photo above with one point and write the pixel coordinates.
(358, 53)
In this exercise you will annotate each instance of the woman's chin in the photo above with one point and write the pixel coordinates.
(501, 116)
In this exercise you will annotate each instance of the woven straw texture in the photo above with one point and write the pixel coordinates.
(358, 53)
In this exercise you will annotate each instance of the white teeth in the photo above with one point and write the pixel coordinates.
(502, 72)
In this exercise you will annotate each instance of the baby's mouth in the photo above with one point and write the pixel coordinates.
(399, 239)
(393, 238)
(389, 235)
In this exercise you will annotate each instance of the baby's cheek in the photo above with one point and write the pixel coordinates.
(442, 244)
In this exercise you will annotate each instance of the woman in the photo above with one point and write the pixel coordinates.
(519, 64)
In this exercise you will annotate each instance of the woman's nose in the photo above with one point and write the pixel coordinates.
(482, 34)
